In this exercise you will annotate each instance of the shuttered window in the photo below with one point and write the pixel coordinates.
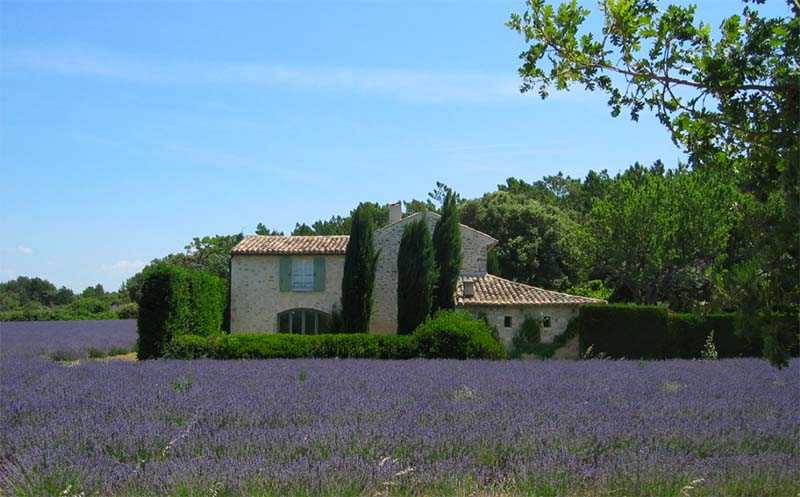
(302, 275)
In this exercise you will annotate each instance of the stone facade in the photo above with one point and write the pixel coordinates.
(474, 250)
(560, 316)
(256, 298)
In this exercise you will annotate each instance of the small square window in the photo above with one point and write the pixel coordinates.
(507, 322)
(545, 321)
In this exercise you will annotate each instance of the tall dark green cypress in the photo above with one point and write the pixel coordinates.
(358, 280)
(415, 276)
(447, 250)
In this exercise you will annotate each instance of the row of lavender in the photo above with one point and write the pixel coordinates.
(66, 340)
(342, 427)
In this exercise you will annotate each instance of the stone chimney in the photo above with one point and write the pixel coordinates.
(395, 212)
(469, 289)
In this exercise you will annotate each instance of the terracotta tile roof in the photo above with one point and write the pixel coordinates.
(493, 290)
(287, 245)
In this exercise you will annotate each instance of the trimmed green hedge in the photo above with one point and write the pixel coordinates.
(177, 301)
(289, 346)
(650, 332)
(450, 334)
(687, 334)
(624, 331)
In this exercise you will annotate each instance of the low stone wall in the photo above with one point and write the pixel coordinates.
(560, 316)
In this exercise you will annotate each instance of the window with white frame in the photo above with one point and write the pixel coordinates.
(302, 275)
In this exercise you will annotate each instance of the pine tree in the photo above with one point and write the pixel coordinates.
(416, 274)
(447, 250)
(358, 280)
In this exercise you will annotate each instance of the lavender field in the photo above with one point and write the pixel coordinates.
(359, 427)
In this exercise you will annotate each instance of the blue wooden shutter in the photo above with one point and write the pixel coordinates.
(285, 274)
(319, 274)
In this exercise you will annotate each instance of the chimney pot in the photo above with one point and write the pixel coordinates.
(395, 212)
(469, 289)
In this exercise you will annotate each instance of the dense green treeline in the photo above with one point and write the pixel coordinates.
(36, 299)
(647, 235)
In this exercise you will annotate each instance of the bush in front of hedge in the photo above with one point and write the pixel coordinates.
(177, 301)
(457, 335)
(289, 346)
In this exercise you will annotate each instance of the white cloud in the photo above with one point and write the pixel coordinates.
(405, 84)
(24, 249)
(124, 267)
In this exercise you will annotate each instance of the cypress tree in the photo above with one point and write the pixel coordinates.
(358, 280)
(415, 276)
(447, 249)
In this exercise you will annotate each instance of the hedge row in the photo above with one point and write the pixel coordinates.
(289, 346)
(177, 301)
(650, 332)
(687, 334)
(449, 334)
(623, 331)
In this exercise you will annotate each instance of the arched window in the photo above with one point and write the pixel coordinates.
(304, 321)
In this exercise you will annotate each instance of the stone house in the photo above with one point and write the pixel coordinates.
(293, 283)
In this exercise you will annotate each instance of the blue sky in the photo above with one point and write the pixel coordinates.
(126, 129)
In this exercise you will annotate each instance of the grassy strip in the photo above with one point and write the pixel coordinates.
(402, 485)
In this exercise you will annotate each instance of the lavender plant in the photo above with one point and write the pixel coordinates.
(367, 427)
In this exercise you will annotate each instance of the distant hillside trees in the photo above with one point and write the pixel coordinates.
(261, 229)
(341, 225)
(36, 299)
(415, 276)
(25, 291)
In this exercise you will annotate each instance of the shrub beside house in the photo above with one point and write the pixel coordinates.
(177, 301)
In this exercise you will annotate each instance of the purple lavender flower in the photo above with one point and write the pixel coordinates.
(364, 426)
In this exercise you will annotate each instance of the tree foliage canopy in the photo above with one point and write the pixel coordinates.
(656, 237)
(539, 244)
(730, 99)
